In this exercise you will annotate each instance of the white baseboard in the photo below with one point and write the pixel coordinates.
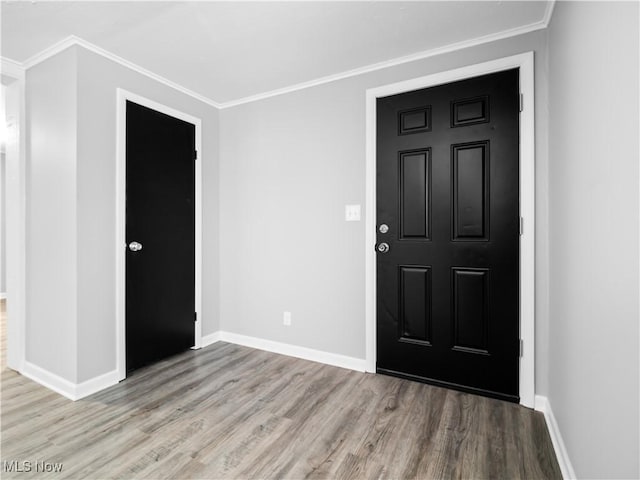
(542, 405)
(50, 380)
(304, 353)
(210, 339)
(96, 384)
(73, 391)
(3, 295)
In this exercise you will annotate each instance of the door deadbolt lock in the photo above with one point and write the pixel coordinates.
(384, 228)
(383, 247)
(135, 246)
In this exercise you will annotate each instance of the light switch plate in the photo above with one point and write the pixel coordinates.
(352, 213)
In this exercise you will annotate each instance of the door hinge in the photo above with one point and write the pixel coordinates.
(521, 102)
(521, 348)
(521, 226)
(195, 154)
(195, 316)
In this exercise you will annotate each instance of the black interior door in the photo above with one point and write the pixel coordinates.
(448, 192)
(160, 233)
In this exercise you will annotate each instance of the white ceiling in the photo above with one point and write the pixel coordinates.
(226, 51)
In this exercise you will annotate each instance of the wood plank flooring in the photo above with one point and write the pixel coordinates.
(228, 411)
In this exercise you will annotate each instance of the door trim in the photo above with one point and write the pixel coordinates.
(525, 62)
(120, 227)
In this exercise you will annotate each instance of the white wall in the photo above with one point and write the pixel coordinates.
(289, 164)
(3, 190)
(15, 212)
(71, 127)
(593, 146)
(3, 222)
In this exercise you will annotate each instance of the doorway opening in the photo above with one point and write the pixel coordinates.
(13, 211)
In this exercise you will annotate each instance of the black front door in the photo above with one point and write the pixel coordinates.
(160, 235)
(448, 193)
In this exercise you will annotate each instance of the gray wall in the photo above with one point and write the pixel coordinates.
(593, 382)
(71, 114)
(289, 164)
(51, 216)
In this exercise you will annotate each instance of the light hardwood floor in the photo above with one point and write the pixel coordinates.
(233, 412)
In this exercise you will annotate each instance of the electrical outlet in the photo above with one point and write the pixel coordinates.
(286, 319)
(352, 213)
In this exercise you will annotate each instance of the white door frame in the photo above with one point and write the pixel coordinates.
(120, 240)
(525, 63)
(15, 195)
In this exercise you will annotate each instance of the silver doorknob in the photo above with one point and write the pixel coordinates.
(384, 228)
(383, 247)
(135, 246)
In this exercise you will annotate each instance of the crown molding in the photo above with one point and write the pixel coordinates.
(73, 40)
(548, 12)
(50, 51)
(12, 68)
(542, 24)
(77, 41)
